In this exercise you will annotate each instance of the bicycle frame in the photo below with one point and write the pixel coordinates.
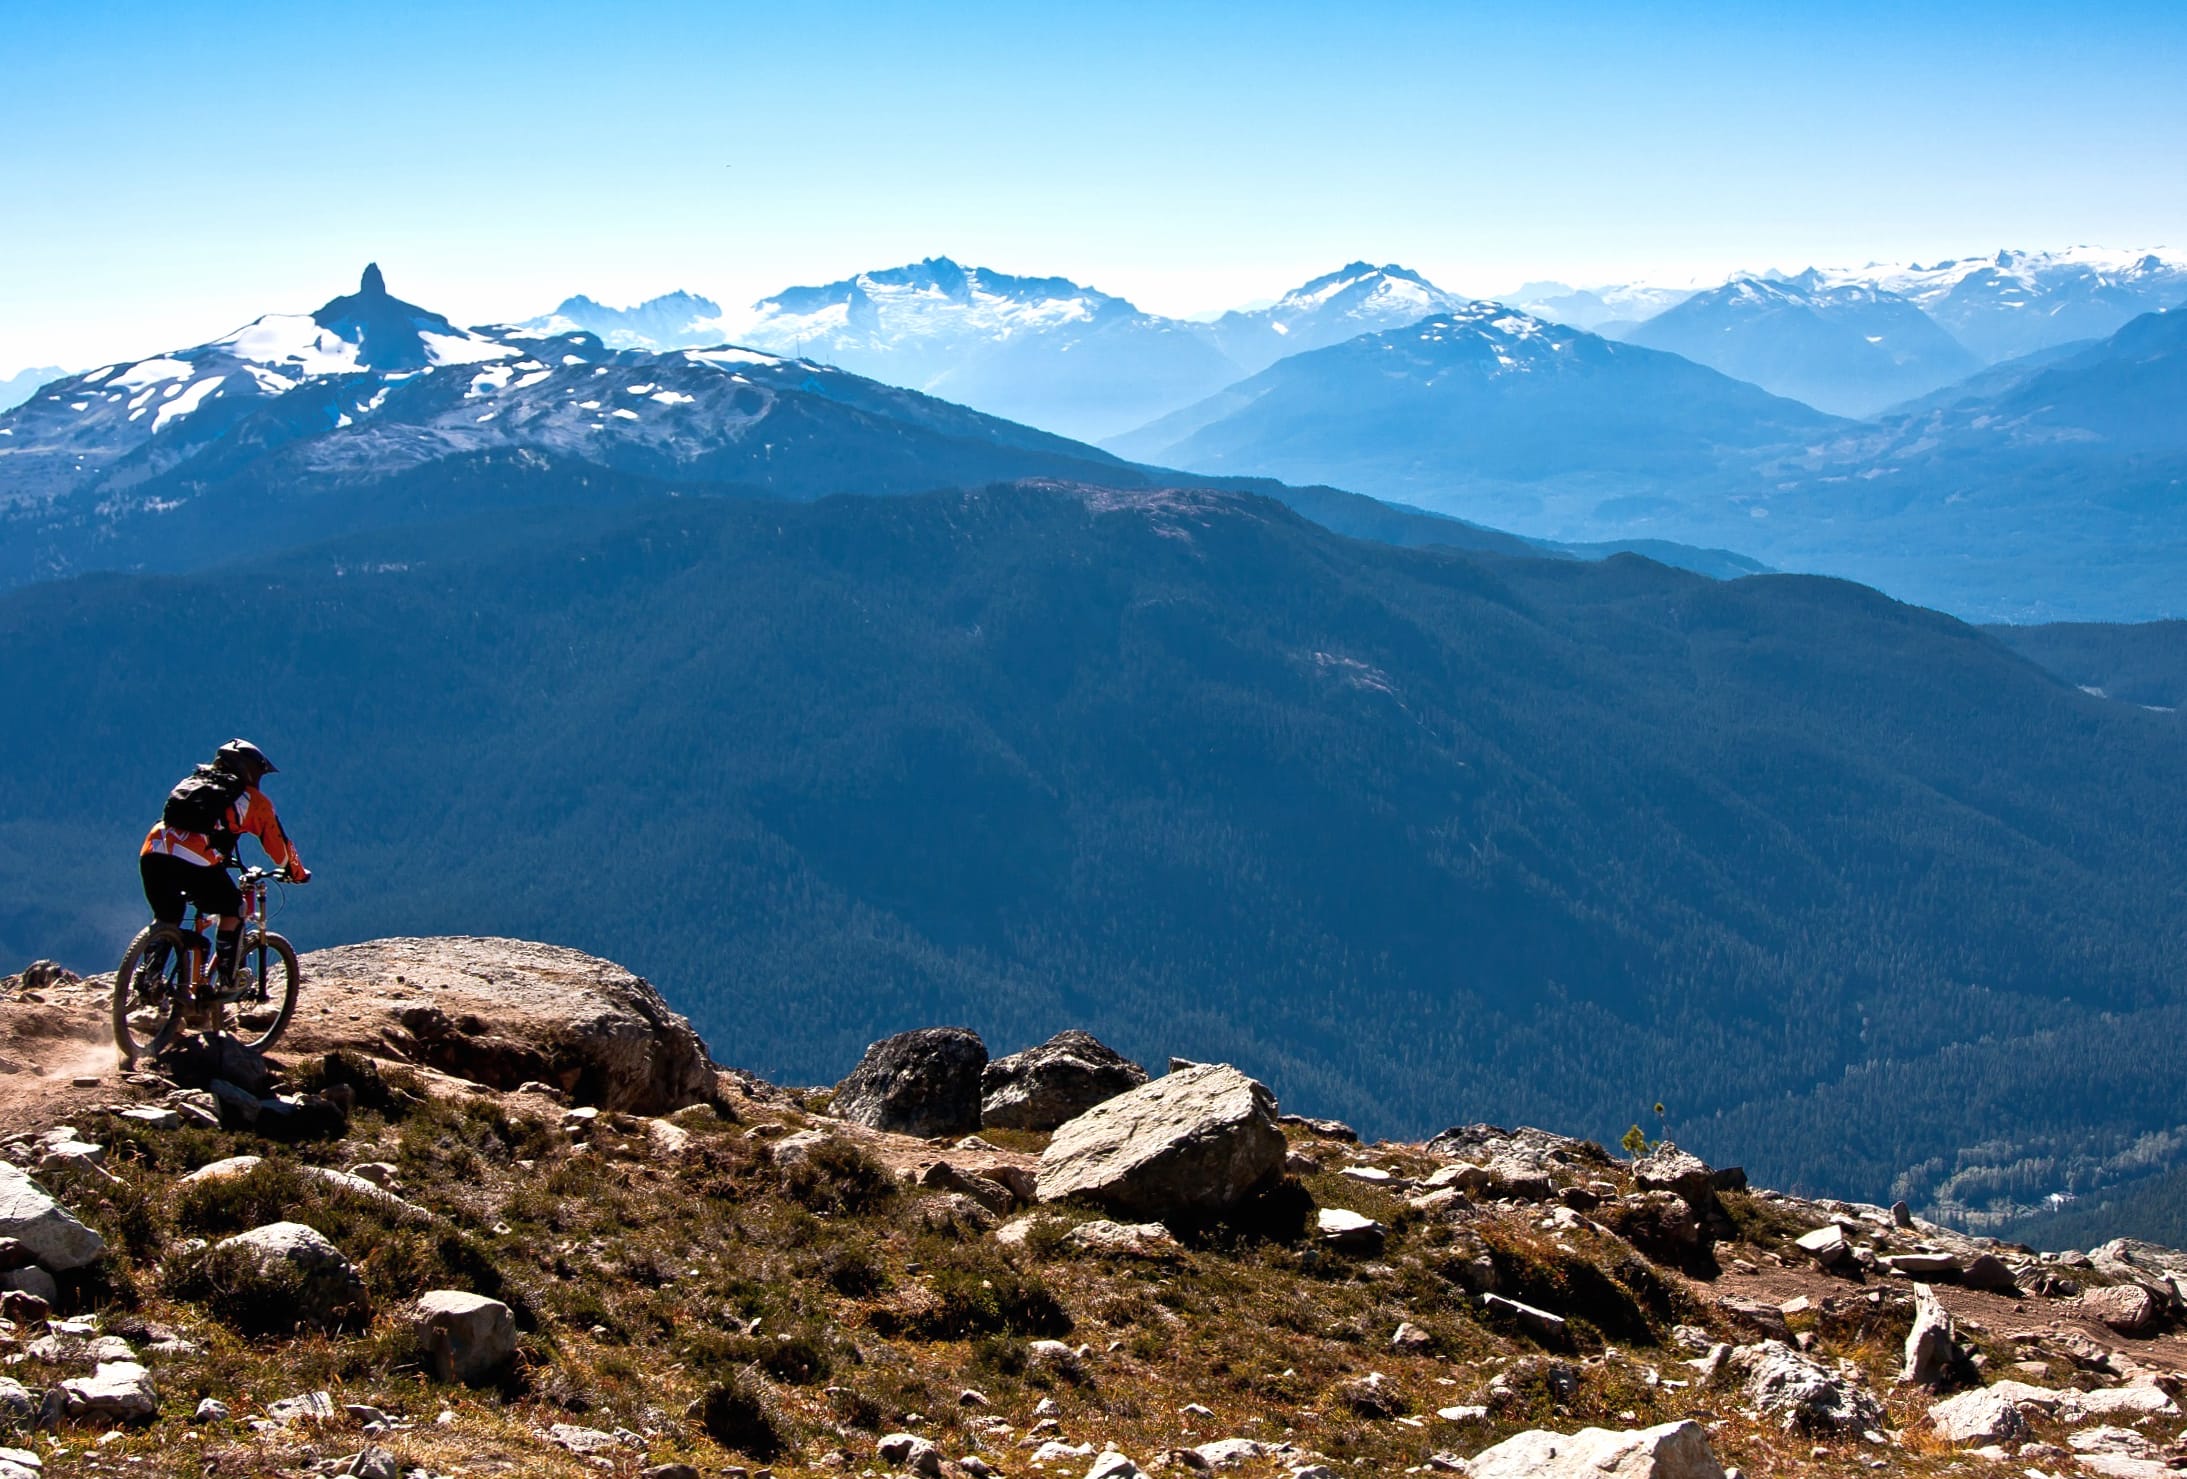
(253, 890)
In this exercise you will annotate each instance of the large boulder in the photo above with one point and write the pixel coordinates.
(1932, 1353)
(1196, 1142)
(286, 1274)
(465, 1337)
(118, 1391)
(2129, 1309)
(501, 1012)
(44, 1227)
(1060, 1080)
(1678, 1450)
(1984, 1415)
(1667, 1168)
(924, 1083)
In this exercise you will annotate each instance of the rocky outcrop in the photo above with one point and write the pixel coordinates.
(1677, 1450)
(48, 1231)
(1196, 1142)
(501, 1012)
(1932, 1355)
(1060, 1080)
(1984, 1415)
(924, 1083)
(2129, 1309)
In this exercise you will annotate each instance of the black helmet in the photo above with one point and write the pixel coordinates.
(241, 757)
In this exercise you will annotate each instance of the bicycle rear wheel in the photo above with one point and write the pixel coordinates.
(151, 989)
(260, 1024)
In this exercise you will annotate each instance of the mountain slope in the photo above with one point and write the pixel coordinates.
(1355, 299)
(1517, 421)
(1514, 839)
(2143, 663)
(19, 387)
(2015, 303)
(1847, 349)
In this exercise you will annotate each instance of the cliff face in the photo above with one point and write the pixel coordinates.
(491, 1208)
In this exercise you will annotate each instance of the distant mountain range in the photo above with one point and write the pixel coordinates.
(373, 412)
(1846, 348)
(1355, 299)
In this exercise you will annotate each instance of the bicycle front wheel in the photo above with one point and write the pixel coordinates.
(151, 989)
(259, 1024)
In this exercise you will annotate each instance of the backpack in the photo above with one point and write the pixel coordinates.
(200, 804)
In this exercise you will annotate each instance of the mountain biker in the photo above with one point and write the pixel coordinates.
(188, 852)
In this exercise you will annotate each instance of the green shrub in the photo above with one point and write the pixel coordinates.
(741, 1416)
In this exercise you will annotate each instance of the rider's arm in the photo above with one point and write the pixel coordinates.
(254, 814)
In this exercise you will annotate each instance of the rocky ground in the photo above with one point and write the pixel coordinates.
(491, 1209)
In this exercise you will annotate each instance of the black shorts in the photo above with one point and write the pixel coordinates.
(169, 883)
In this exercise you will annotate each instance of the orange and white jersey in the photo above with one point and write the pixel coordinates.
(252, 813)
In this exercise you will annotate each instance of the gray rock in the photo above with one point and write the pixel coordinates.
(1125, 1239)
(584, 1442)
(1800, 1394)
(992, 1195)
(1984, 1415)
(210, 1410)
(54, 1237)
(1229, 1453)
(1930, 1351)
(20, 1463)
(2129, 1309)
(1929, 1266)
(1060, 1080)
(1667, 1168)
(1826, 1245)
(152, 1117)
(1540, 1323)
(1346, 1231)
(16, 1402)
(239, 1107)
(290, 1262)
(1990, 1273)
(304, 1407)
(669, 1471)
(924, 1083)
(466, 1337)
(34, 1282)
(371, 1463)
(119, 1391)
(1198, 1141)
(1678, 1450)
(1113, 1465)
(910, 1452)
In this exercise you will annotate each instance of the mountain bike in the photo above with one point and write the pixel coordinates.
(165, 985)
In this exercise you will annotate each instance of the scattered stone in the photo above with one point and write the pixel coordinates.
(380, 1173)
(371, 1463)
(1981, 1416)
(924, 1083)
(1540, 1323)
(1667, 1168)
(1661, 1224)
(2129, 1309)
(1801, 1394)
(1198, 1141)
(1055, 1356)
(992, 1195)
(152, 1117)
(1925, 1266)
(1991, 1274)
(1826, 1245)
(28, 1293)
(791, 1149)
(16, 1402)
(71, 1348)
(317, 1407)
(196, 1106)
(119, 1391)
(1369, 1175)
(292, 1267)
(1345, 1231)
(1127, 1239)
(1113, 1465)
(466, 1337)
(43, 1226)
(669, 1471)
(1373, 1395)
(911, 1452)
(1326, 1129)
(210, 1410)
(1678, 1450)
(1228, 1453)
(239, 1107)
(1466, 1414)
(1902, 1216)
(584, 1442)
(1931, 1353)
(1411, 1339)
(1044, 1087)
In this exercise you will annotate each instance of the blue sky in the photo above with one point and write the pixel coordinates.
(174, 170)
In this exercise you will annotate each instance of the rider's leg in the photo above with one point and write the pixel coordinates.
(230, 936)
(217, 898)
(168, 892)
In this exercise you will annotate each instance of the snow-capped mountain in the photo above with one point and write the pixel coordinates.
(1488, 409)
(294, 426)
(1353, 300)
(1607, 310)
(676, 320)
(1042, 350)
(20, 387)
(2014, 303)
(1848, 348)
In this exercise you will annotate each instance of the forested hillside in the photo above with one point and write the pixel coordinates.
(1868, 901)
(2142, 663)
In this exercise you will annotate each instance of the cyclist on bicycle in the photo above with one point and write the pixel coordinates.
(187, 854)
